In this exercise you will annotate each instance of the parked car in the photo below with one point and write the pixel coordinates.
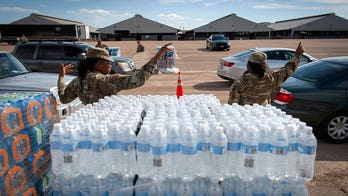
(232, 67)
(48, 56)
(218, 41)
(15, 77)
(317, 93)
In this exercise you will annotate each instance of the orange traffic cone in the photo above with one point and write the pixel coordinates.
(179, 88)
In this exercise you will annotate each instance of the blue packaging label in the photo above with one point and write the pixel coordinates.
(172, 148)
(189, 150)
(84, 144)
(68, 147)
(230, 194)
(113, 145)
(217, 150)
(143, 147)
(309, 150)
(279, 150)
(55, 145)
(233, 146)
(248, 149)
(293, 147)
(263, 147)
(127, 146)
(203, 146)
(98, 147)
(158, 150)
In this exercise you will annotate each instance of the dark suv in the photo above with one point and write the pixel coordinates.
(218, 41)
(48, 56)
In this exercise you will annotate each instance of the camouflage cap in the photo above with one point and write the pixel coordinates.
(99, 53)
(257, 57)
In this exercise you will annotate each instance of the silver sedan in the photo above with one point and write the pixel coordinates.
(232, 67)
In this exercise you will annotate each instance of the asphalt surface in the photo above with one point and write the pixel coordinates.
(198, 67)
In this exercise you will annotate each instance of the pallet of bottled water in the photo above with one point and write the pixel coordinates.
(160, 145)
(26, 122)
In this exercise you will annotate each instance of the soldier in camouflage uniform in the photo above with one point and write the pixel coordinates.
(94, 81)
(256, 84)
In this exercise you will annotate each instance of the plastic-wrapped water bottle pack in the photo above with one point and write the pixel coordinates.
(160, 145)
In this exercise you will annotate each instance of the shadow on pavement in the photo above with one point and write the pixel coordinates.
(213, 86)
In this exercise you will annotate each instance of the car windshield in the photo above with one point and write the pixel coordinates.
(10, 66)
(319, 70)
(219, 38)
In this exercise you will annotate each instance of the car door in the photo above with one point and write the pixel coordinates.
(49, 58)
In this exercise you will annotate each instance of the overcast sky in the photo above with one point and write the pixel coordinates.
(180, 14)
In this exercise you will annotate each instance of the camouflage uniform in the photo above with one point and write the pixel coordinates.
(97, 85)
(249, 88)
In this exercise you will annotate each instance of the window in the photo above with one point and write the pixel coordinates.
(25, 51)
(72, 52)
(275, 55)
(50, 52)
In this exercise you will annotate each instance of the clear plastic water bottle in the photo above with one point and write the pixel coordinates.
(84, 148)
(188, 158)
(69, 148)
(56, 151)
(218, 146)
(114, 152)
(99, 159)
(185, 188)
(127, 147)
(307, 146)
(249, 154)
(200, 186)
(203, 149)
(142, 186)
(143, 152)
(292, 151)
(158, 153)
(229, 186)
(233, 134)
(173, 150)
(278, 153)
(263, 148)
(214, 189)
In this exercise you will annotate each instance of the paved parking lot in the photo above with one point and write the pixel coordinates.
(198, 67)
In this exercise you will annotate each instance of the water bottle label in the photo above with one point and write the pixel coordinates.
(233, 146)
(263, 147)
(309, 150)
(170, 194)
(142, 194)
(143, 147)
(113, 145)
(68, 147)
(248, 149)
(98, 147)
(55, 145)
(230, 194)
(293, 147)
(68, 158)
(218, 150)
(198, 194)
(127, 146)
(84, 144)
(173, 148)
(203, 146)
(287, 194)
(157, 162)
(279, 150)
(260, 194)
(158, 150)
(189, 150)
(249, 162)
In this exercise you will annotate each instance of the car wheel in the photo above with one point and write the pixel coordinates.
(210, 47)
(334, 128)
